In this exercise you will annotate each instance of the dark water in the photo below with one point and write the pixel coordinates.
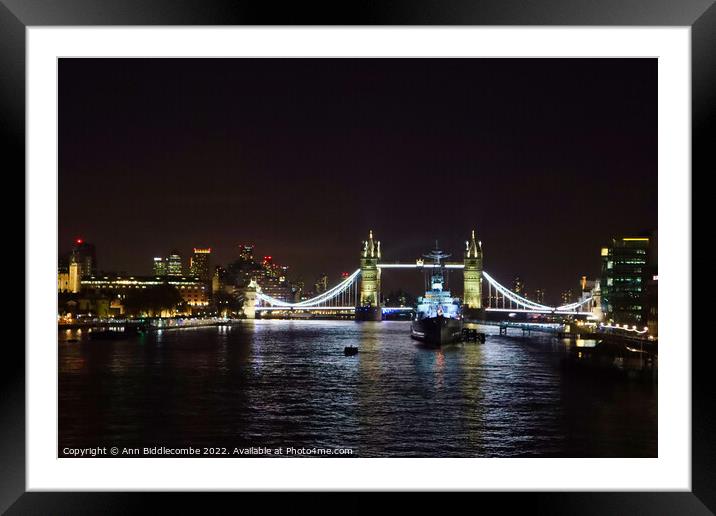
(287, 383)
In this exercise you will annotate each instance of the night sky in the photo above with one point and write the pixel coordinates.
(546, 158)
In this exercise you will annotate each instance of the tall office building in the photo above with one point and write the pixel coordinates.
(539, 296)
(273, 281)
(246, 252)
(174, 266)
(625, 273)
(200, 264)
(518, 286)
(159, 266)
(84, 255)
(218, 280)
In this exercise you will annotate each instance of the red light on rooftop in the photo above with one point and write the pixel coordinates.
(79, 240)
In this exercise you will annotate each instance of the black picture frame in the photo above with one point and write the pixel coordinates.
(17, 15)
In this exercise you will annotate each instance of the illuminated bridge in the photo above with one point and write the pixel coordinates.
(359, 292)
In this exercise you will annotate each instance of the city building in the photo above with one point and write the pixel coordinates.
(218, 280)
(200, 264)
(174, 265)
(518, 286)
(626, 270)
(273, 281)
(539, 296)
(84, 255)
(63, 279)
(246, 252)
(159, 266)
(68, 275)
(192, 291)
(652, 304)
(566, 297)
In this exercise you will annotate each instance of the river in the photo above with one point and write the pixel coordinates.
(282, 383)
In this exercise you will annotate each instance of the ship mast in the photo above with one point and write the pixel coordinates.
(437, 255)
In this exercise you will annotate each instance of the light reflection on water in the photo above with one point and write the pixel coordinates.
(288, 383)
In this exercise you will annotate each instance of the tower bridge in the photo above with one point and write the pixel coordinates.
(359, 293)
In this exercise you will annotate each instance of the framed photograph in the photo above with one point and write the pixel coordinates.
(415, 249)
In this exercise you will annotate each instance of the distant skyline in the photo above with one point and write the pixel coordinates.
(546, 158)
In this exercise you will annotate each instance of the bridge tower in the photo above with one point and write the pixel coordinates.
(472, 296)
(250, 300)
(368, 308)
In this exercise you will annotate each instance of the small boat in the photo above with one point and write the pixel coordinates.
(438, 316)
(350, 351)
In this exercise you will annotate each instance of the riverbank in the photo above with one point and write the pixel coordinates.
(148, 323)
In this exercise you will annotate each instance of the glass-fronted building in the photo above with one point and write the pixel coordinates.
(174, 265)
(159, 267)
(625, 273)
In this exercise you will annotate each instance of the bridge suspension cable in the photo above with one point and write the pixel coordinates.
(572, 306)
(324, 297)
(531, 305)
(515, 298)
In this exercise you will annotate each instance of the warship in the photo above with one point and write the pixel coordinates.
(438, 316)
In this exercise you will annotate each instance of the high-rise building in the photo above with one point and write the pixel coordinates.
(539, 296)
(625, 273)
(246, 252)
(174, 265)
(518, 286)
(159, 266)
(84, 255)
(269, 276)
(199, 264)
(567, 296)
(218, 280)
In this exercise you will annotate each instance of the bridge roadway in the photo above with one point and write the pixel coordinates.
(406, 309)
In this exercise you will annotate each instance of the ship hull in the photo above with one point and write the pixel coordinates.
(437, 331)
